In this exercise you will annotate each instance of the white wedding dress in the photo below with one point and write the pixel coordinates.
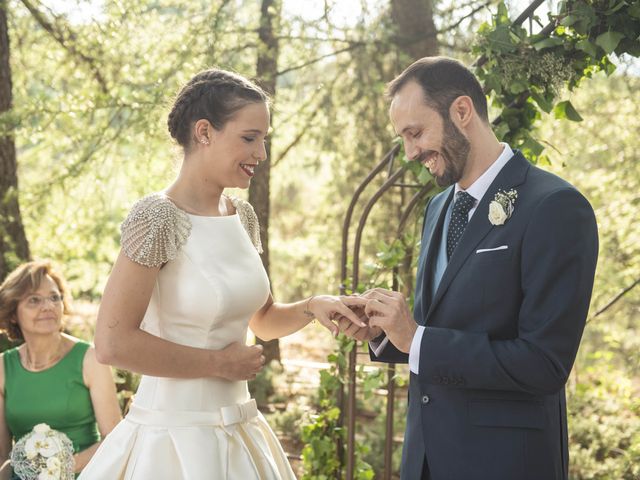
(210, 285)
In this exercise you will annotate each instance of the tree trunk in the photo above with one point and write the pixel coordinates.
(266, 72)
(416, 38)
(416, 30)
(14, 247)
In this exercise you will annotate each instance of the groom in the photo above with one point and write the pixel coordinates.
(505, 275)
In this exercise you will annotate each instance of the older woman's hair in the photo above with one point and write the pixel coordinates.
(23, 281)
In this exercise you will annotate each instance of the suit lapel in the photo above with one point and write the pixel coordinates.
(433, 222)
(511, 175)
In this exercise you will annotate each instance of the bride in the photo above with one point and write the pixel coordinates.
(186, 286)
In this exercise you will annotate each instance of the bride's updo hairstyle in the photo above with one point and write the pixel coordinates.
(215, 95)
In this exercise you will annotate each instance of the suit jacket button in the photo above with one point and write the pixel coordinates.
(425, 399)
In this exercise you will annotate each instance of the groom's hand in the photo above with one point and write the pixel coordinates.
(389, 311)
(352, 330)
(328, 308)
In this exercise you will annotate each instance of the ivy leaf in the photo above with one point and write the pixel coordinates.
(605, 65)
(569, 20)
(500, 40)
(533, 146)
(518, 86)
(544, 160)
(501, 130)
(543, 103)
(634, 10)
(616, 8)
(502, 16)
(424, 176)
(609, 41)
(562, 7)
(493, 83)
(547, 43)
(587, 47)
(609, 68)
(566, 110)
(586, 16)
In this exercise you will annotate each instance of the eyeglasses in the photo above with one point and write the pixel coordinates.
(37, 301)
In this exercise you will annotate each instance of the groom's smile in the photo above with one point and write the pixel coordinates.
(428, 138)
(430, 160)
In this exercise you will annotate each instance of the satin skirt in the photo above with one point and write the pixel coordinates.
(233, 442)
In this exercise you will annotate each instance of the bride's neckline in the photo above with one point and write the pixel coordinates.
(227, 200)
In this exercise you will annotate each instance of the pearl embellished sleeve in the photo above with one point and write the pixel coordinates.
(249, 220)
(154, 231)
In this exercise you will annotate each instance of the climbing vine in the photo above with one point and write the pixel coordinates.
(323, 434)
(527, 75)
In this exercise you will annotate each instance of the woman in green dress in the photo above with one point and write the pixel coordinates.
(52, 377)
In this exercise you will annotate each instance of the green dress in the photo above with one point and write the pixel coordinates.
(56, 396)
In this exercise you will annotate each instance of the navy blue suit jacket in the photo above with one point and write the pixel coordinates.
(502, 333)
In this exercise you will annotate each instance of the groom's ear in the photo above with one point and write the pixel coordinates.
(462, 111)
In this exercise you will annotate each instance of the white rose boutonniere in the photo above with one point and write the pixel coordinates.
(502, 206)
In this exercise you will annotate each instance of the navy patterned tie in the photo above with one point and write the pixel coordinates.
(459, 218)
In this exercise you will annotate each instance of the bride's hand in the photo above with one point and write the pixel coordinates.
(239, 362)
(350, 329)
(326, 308)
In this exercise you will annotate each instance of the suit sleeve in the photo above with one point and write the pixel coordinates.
(558, 261)
(390, 354)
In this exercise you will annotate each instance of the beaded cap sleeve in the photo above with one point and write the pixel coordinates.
(249, 220)
(154, 231)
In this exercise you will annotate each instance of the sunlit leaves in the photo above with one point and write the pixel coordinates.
(86, 154)
(540, 67)
(566, 110)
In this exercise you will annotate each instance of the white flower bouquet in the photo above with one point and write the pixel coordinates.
(43, 454)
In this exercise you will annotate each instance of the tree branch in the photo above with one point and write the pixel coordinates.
(66, 41)
(304, 130)
(322, 57)
(93, 146)
(457, 8)
(616, 298)
(455, 25)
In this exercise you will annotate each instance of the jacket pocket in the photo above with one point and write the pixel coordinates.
(510, 414)
(490, 255)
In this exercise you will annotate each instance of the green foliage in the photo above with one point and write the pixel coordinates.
(601, 156)
(324, 432)
(321, 436)
(525, 74)
(604, 427)
(262, 388)
(91, 144)
(126, 385)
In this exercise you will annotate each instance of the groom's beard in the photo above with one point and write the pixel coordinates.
(455, 153)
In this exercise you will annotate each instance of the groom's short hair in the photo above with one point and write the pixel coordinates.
(442, 79)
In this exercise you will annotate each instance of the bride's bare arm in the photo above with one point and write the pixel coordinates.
(275, 320)
(120, 342)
